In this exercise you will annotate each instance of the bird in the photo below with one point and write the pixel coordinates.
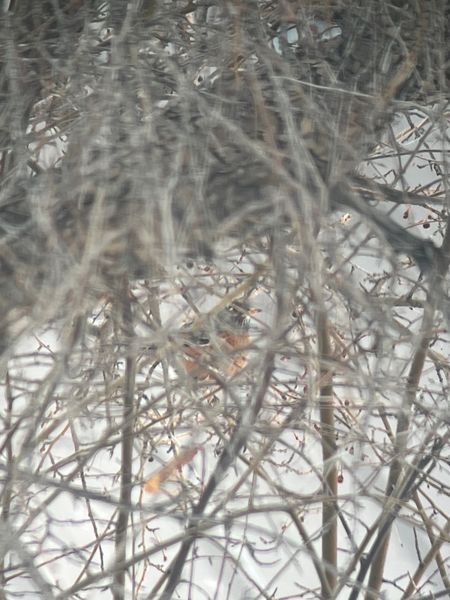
(216, 347)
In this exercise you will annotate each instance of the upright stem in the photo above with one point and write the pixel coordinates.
(329, 506)
(7, 488)
(127, 456)
(400, 445)
(404, 416)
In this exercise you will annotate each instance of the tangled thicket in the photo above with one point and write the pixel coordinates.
(157, 156)
(192, 123)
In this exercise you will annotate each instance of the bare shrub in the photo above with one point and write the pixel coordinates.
(223, 299)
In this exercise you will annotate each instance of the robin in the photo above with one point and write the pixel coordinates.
(219, 345)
